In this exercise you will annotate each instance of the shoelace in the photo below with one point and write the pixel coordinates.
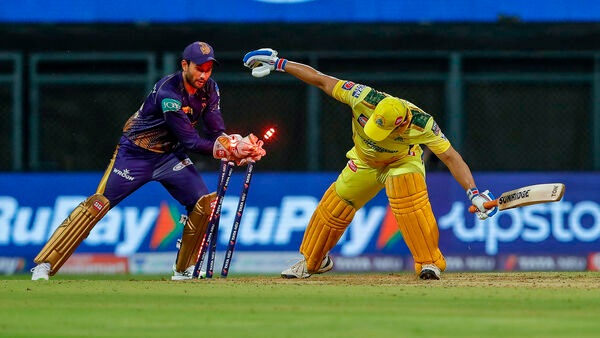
(299, 268)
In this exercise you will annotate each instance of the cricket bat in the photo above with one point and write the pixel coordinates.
(532, 194)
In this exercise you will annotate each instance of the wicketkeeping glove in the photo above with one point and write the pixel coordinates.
(478, 199)
(238, 149)
(256, 153)
(263, 61)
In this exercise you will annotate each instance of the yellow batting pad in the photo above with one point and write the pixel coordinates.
(193, 232)
(72, 232)
(410, 204)
(326, 226)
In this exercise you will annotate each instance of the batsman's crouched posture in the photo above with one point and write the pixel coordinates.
(387, 134)
(153, 148)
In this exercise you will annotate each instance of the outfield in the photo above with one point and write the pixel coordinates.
(536, 304)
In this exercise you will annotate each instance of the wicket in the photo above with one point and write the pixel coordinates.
(238, 219)
(209, 242)
(226, 169)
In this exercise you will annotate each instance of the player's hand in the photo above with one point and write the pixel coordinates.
(225, 146)
(239, 149)
(251, 146)
(263, 61)
(478, 200)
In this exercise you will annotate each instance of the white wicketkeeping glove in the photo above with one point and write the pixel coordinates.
(263, 61)
(478, 199)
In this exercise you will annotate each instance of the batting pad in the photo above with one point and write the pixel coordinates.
(72, 232)
(193, 232)
(410, 204)
(326, 226)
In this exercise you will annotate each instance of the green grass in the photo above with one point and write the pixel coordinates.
(330, 305)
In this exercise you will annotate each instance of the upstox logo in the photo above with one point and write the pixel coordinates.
(170, 105)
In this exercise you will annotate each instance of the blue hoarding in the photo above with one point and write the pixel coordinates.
(177, 11)
(279, 206)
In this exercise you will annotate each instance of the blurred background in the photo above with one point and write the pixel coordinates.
(514, 85)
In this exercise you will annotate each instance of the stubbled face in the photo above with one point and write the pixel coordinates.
(196, 75)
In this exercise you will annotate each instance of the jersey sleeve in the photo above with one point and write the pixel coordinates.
(435, 139)
(181, 126)
(349, 92)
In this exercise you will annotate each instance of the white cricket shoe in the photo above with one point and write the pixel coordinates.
(40, 271)
(298, 270)
(187, 274)
(430, 271)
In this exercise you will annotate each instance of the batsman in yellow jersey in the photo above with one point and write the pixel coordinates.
(387, 132)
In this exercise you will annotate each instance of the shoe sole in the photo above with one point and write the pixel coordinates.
(180, 278)
(328, 266)
(428, 275)
(41, 278)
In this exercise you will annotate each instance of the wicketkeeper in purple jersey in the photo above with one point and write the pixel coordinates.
(154, 147)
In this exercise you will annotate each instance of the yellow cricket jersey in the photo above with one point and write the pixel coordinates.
(400, 146)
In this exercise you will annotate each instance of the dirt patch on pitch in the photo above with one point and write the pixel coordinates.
(584, 280)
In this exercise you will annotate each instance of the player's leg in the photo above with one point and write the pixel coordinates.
(189, 189)
(116, 184)
(67, 237)
(354, 188)
(409, 201)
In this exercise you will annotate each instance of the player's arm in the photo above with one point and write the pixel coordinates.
(458, 168)
(463, 175)
(311, 76)
(263, 61)
(181, 126)
(436, 141)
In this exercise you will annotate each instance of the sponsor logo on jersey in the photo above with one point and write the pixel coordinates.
(352, 166)
(362, 120)
(373, 145)
(182, 164)
(170, 105)
(124, 173)
(348, 85)
(358, 90)
(435, 128)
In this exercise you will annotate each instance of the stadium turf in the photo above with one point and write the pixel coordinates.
(536, 304)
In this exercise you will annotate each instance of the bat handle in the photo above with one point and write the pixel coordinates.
(487, 205)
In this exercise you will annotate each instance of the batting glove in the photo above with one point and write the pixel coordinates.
(478, 199)
(263, 61)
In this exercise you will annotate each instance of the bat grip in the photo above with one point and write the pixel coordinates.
(487, 205)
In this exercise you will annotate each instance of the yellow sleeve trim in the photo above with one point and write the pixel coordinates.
(337, 91)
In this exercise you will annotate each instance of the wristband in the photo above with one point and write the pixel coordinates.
(280, 64)
(471, 193)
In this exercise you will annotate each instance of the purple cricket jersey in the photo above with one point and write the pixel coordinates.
(158, 136)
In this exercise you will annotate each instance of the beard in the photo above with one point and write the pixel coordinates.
(190, 80)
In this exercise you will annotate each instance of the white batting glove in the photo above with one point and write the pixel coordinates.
(478, 199)
(263, 61)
